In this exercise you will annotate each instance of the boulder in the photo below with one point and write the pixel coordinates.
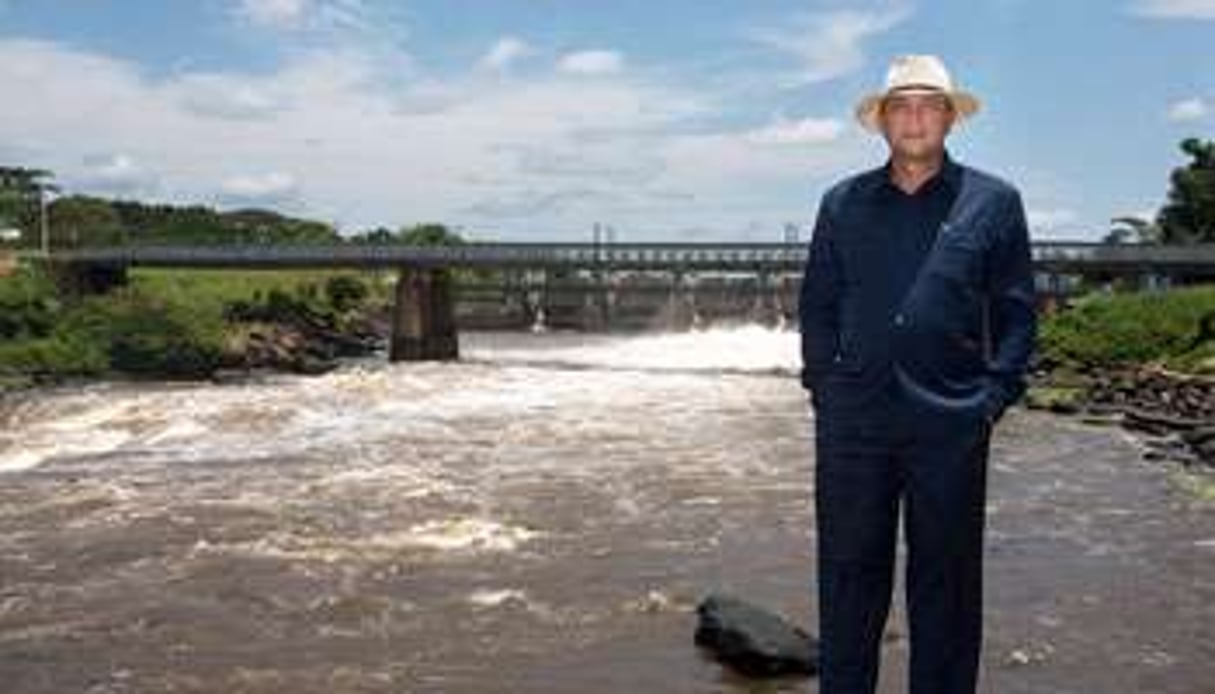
(1199, 436)
(753, 641)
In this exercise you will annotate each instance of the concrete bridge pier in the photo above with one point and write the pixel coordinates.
(766, 307)
(424, 317)
(680, 312)
(517, 301)
(88, 279)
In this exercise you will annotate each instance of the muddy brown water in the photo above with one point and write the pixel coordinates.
(540, 518)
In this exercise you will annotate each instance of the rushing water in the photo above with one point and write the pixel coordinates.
(541, 517)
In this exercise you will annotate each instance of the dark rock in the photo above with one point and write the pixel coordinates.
(1101, 409)
(1061, 407)
(1206, 452)
(224, 377)
(1159, 422)
(1199, 436)
(753, 641)
(310, 365)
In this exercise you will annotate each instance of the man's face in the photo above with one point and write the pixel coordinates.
(915, 124)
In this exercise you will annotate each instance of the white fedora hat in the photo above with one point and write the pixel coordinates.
(915, 73)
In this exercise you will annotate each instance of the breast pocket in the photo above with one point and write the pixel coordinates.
(951, 290)
(958, 257)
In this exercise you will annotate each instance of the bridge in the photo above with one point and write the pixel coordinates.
(1049, 256)
(424, 311)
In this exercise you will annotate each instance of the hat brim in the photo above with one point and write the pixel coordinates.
(869, 110)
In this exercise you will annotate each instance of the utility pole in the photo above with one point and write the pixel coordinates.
(44, 225)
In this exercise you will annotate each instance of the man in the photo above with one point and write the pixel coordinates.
(917, 319)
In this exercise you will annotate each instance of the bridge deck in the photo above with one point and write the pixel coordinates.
(740, 257)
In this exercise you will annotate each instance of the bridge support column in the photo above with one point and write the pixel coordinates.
(88, 279)
(424, 318)
(681, 303)
(765, 309)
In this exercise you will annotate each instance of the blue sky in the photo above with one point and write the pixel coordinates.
(535, 119)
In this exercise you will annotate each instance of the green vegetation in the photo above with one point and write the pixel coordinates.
(1172, 328)
(165, 324)
(1201, 487)
(1189, 214)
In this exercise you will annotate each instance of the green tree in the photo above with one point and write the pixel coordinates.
(430, 235)
(376, 236)
(265, 226)
(1189, 214)
(79, 220)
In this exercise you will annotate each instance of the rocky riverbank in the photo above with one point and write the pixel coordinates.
(302, 345)
(1175, 412)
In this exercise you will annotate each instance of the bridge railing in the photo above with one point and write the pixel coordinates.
(493, 255)
(776, 257)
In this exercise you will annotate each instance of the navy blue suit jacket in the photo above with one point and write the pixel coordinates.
(958, 340)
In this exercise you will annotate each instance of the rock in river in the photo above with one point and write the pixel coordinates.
(754, 641)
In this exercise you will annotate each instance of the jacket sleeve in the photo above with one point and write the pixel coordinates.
(818, 302)
(1012, 308)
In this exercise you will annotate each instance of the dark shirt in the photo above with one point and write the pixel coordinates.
(933, 289)
(912, 221)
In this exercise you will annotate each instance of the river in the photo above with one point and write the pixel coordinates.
(542, 516)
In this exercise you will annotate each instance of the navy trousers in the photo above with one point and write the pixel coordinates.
(870, 462)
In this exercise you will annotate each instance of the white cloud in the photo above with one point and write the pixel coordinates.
(267, 187)
(592, 63)
(224, 96)
(1052, 223)
(829, 44)
(507, 51)
(339, 135)
(1174, 9)
(807, 131)
(278, 14)
(350, 20)
(1188, 110)
(113, 174)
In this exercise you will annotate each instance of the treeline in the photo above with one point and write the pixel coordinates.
(82, 221)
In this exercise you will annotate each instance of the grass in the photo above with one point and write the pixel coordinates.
(224, 287)
(1200, 486)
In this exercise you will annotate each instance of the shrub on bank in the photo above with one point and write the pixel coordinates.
(1113, 330)
(176, 325)
(49, 358)
(148, 335)
(27, 305)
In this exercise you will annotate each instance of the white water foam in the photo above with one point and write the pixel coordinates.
(373, 416)
(749, 348)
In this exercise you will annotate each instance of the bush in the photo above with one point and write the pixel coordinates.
(346, 293)
(1122, 329)
(146, 335)
(28, 306)
(49, 358)
(164, 324)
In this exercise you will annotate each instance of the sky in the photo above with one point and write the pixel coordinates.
(533, 120)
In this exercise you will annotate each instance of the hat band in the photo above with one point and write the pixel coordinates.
(903, 89)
